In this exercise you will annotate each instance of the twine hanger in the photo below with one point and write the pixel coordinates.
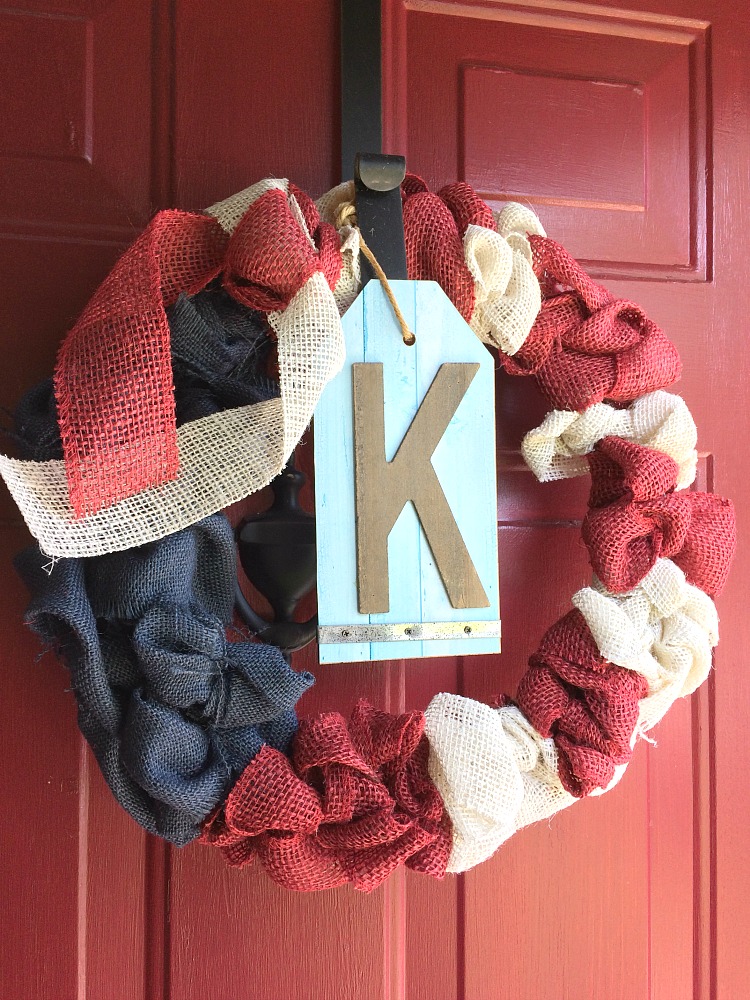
(347, 216)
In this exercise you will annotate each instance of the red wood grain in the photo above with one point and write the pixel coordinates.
(626, 125)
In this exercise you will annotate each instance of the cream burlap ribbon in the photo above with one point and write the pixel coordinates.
(556, 449)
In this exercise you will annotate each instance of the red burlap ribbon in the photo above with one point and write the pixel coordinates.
(434, 227)
(635, 517)
(113, 380)
(351, 807)
(586, 345)
(589, 706)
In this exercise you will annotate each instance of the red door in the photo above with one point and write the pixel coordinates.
(626, 129)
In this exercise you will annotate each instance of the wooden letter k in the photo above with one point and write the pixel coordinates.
(383, 488)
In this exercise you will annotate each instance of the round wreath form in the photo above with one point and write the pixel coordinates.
(164, 410)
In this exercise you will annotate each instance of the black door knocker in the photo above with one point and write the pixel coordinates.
(277, 554)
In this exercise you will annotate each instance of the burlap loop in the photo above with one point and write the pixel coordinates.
(516, 222)
(435, 250)
(494, 772)
(466, 207)
(350, 807)
(172, 710)
(635, 518)
(37, 431)
(219, 351)
(588, 705)
(587, 346)
(229, 211)
(665, 629)
(557, 448)
(264, 272)
(507, 295)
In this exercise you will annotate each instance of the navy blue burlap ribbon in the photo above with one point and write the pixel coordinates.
(172, 710)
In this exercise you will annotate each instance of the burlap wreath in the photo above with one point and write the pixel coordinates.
(167, 406)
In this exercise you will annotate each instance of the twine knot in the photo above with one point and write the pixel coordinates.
(346, 215)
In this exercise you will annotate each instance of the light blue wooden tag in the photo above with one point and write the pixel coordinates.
(464, 461)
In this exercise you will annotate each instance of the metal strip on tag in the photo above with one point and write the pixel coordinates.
(398, 632)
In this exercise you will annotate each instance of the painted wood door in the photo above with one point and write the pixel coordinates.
(625, 125)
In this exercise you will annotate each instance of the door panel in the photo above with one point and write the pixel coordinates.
(597, 117)
(627, 131)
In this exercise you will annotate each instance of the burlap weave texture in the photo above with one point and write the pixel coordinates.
(353, 804)
(635, 517)
(254, 443)
(556, 449)
(588, 705)
(464, 246)
(664, 629)
(113, 380)
(587, 346)
(494, 772)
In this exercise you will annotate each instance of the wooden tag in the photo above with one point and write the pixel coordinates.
(406, 502)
